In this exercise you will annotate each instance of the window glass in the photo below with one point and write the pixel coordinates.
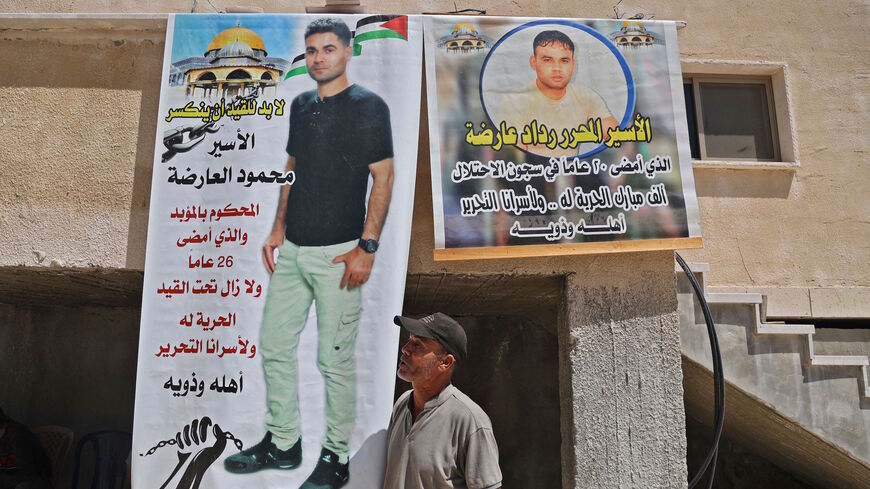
(736, 121)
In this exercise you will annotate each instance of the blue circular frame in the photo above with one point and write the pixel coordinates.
(629, 80)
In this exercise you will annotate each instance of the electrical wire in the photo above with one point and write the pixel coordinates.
(718, 381)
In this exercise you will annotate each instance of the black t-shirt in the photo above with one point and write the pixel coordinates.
(334, 140)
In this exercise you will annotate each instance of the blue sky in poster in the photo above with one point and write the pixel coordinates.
(282, 34)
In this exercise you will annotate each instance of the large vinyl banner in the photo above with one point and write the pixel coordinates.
(277, 249)
(557, 136)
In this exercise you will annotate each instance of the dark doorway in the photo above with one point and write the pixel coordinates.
(513, 367)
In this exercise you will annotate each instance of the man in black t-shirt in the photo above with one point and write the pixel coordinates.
(326, 238)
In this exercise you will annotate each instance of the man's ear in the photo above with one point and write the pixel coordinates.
(447, 361)
(348, 51)
(532, 62)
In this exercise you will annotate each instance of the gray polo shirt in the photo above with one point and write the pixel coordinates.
(451, 445)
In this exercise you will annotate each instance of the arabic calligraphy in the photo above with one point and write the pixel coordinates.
(211, 346)
(204, 320)
(232, 288)
(558, 166)
(650, 168)
(535, 133)
(196, 387)
(524, 172)
(197, 180)
(228, 235)
(219, 146)
(202, 213)
(565, 229)
(532, 201)
(235, 109)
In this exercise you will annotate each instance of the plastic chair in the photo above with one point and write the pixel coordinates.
(57, 442)
(106, 453)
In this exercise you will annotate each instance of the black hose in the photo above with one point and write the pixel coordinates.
(718, 381)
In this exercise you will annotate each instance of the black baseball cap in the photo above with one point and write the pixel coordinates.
(439, 327)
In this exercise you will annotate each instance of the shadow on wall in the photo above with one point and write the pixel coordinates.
(69, 366)
(737, 467)
(745, 183)
(372, 453)
(512, 372)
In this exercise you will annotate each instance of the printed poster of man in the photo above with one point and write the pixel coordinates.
(557, 136)
(277, 250)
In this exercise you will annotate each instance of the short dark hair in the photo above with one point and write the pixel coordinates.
(547, 38)
(335, 26)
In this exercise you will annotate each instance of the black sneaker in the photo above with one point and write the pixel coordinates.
(265, 455)
(328, 474)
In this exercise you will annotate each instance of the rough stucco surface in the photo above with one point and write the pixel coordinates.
(623, 353)
(61, 201)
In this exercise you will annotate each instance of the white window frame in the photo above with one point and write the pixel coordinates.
(775, 78)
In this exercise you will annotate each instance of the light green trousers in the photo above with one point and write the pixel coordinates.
(304, 274)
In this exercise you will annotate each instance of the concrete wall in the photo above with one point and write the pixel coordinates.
(808, 228)
(621, 344)
(79, 144)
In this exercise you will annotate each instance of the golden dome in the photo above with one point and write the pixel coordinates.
(464, 26)
(632, 23)
(237, 34)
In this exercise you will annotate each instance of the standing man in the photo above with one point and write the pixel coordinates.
(326, 240)
(438, 438)
(552, 99)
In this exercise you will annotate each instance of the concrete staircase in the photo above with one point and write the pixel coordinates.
(764, 326)
(807, 412)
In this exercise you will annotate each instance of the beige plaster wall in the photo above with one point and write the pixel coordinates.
(77, 175)
(78, 128)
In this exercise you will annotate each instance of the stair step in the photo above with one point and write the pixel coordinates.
(846, 360)
(780, 328)
(732, 298)
(762, 327)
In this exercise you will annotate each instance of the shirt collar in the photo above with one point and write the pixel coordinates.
(436, 401)
(338, 96)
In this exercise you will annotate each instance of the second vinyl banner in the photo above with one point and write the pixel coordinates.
(557, 136)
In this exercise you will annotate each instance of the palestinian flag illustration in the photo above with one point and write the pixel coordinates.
(367, 29)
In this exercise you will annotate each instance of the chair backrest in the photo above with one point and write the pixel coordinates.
(57, 442)
(103, 454)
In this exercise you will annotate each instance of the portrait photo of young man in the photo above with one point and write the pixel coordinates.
(554, 99)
